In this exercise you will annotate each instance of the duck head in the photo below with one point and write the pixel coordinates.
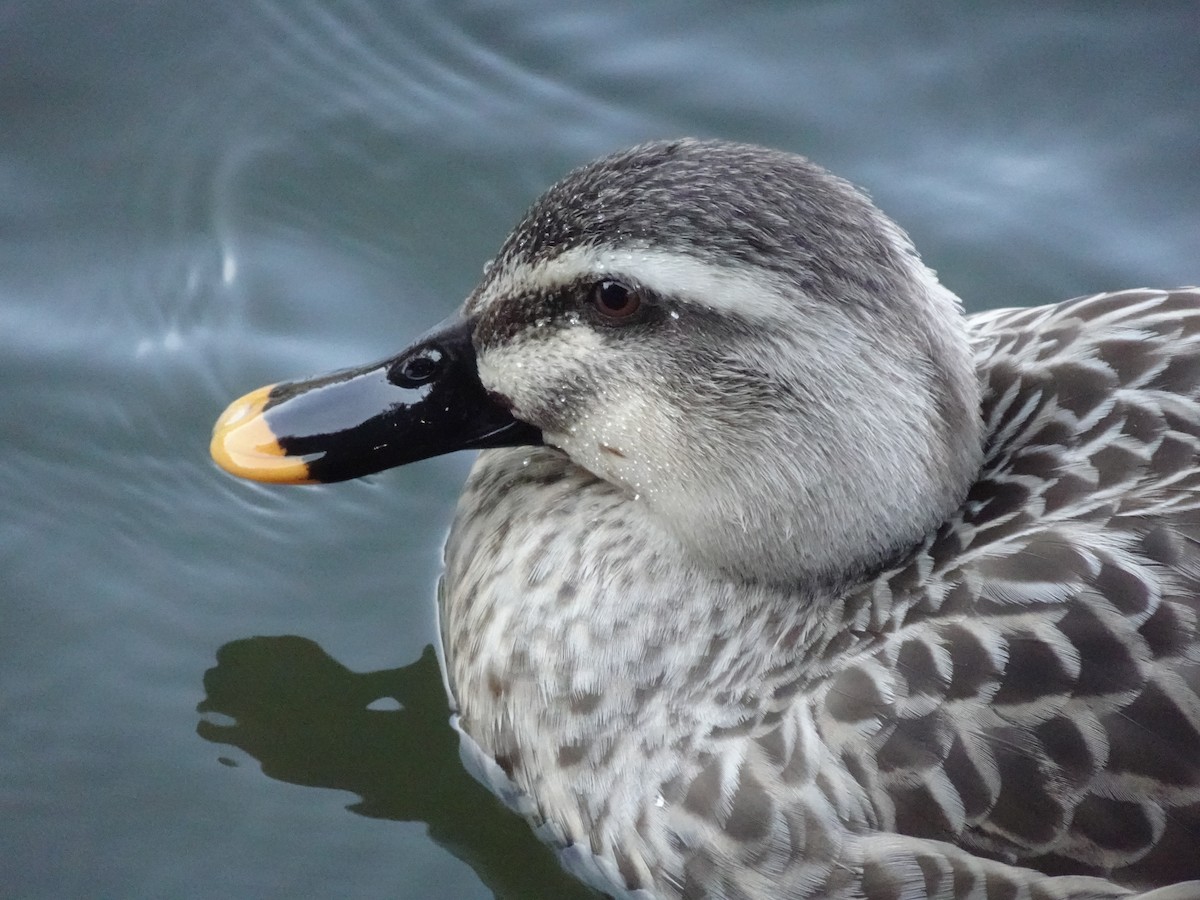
(735, 338)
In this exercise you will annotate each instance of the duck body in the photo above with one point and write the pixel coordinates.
(1018, 694)
(778, 578)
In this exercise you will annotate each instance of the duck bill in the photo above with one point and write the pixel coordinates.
(425, 401)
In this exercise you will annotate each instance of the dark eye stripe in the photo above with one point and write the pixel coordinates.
(622, 304)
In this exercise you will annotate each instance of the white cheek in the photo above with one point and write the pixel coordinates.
(627, 440)
(624, 436)
(526, 371)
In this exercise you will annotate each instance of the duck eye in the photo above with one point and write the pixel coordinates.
(614, 300)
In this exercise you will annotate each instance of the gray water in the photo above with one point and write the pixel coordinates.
(215, 689)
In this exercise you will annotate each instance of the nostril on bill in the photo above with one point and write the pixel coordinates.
(417, 368)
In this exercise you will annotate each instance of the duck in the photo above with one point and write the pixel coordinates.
(776, 575)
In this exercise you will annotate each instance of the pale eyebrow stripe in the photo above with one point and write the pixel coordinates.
(749, 291)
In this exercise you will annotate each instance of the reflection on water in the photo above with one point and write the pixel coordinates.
(200, 198)
(309, 720)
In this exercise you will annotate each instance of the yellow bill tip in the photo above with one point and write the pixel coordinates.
(244, 445)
